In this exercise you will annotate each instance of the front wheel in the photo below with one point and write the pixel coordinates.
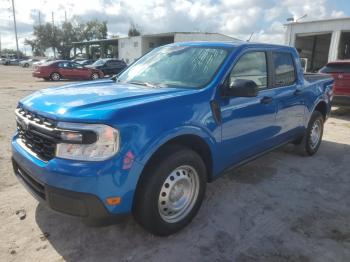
(313, 136)
(170, 192)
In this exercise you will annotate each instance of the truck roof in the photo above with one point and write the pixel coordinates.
(231, 44)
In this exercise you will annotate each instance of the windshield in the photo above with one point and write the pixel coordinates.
(99, 62)
(176, 66)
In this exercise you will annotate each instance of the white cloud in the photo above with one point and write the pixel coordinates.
(238, 18)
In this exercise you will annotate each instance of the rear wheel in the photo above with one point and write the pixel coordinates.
(171, 192)
(94, 76)
(313, 136)
(55, 76)
(26, 65)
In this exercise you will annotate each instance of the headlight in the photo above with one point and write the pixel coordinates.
(89, 142)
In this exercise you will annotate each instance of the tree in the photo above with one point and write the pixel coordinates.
(95, 30)
(133, 31)
(60, 38)
(44, 38)
(7, 51)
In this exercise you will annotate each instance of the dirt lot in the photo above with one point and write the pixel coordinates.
(282, 207)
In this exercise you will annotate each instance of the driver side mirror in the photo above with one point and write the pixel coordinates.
(241, 88)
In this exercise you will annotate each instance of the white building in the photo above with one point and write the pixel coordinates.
(319, 42)
(131, 48)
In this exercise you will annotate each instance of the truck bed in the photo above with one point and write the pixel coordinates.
(311, 78)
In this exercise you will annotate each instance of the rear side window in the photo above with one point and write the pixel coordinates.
(64, 65)
(114, 62)
(336, 68)
(284, 69)
(110, 63)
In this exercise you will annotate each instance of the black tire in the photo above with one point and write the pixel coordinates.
(26, 65)
(94, 76)
(148, 199)
(55, 76)
(307, 146)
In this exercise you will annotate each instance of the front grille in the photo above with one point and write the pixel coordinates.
(35, 186)
(37, 133)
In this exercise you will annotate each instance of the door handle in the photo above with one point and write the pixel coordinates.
(266, 100)
(297, 92)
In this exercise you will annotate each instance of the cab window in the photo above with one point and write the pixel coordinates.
(284, 71)
(251, 66)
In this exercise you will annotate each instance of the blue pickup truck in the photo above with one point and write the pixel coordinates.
(147, 141)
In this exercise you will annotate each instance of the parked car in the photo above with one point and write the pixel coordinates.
(42, 61)
(28, 62)
(109, 66)
(62, 69)
(79, 59)
(340, 70)
(14, 61)
(86, 62)
(148, 141)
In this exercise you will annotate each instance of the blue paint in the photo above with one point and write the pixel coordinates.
(149, 117)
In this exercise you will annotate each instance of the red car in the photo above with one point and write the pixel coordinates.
(61, 69)
(340, 70)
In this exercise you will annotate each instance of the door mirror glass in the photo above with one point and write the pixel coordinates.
(242, 88)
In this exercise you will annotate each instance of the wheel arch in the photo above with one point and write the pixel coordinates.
(321, 107)
(192, 141)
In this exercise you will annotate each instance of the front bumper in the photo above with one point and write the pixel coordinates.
(78, 188)
(82, 205)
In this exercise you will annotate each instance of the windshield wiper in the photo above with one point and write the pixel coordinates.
(142, 84)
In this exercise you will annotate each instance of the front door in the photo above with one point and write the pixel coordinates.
(78, 71)
(248, 123)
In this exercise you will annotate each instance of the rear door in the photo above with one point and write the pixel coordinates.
(79, 72)
(289, 95)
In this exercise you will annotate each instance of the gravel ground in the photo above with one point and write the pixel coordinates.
(281, 207)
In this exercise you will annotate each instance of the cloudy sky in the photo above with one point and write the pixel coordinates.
(238, 18)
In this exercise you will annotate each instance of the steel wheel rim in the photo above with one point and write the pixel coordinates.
(315, 133)
(178, 194)
(55, 76)
(94, 76)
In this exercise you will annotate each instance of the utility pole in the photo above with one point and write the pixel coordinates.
(0, 45)
(39, 17)
(53, 35)
(14, 21)
(65, 16)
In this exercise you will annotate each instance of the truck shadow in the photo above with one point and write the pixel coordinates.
(243, 216)
(341, 112)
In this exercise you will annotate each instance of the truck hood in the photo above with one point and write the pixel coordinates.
(80, 101)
